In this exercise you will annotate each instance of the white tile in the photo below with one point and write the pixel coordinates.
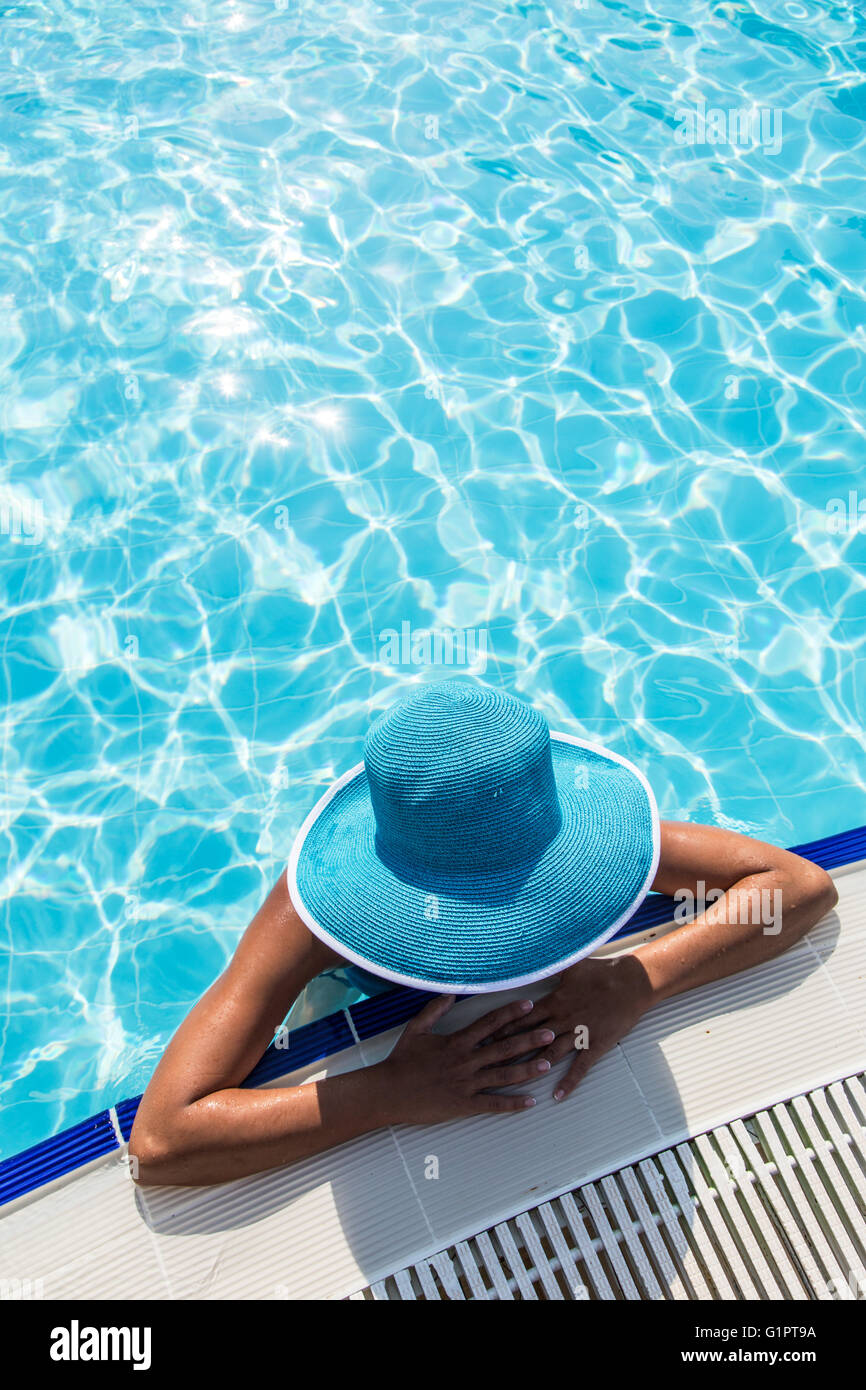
(84, 1239)
(315, 1229)
(498, 1165)
(743, 1043)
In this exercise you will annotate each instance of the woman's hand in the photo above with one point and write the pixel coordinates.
(429, 1078)
(594, 1005)
(598, 1001)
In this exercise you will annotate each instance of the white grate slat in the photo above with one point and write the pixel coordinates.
(493, 1266)
(426, 1280)
(518, 1268)
(405, 1288)
(843, 1145)
(834, 1180)
(801, 1164)
(444, 1267)
(587, 1247)
(794, 1196)
(649, 1223)
(727, 1198)
(793, 1262)
(677, 1234)
(566, 1257)
(766, 1207)
(698, 1225)
(609, 1243)
(535, 1250)
(629, 1235)
(470, 1269)
(725, 1240)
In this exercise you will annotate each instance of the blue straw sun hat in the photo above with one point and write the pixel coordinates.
(472, 849)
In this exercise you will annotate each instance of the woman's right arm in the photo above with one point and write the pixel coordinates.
(196, 1124)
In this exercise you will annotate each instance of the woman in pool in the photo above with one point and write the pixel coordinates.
(471, 851)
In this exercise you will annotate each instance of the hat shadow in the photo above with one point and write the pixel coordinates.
(179, 1212)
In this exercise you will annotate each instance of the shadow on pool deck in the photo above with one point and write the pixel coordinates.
(376, 1196)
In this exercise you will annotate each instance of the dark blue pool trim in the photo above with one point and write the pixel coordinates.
(94, 1138)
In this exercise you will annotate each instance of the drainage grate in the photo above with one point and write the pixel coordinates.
(768, 1207)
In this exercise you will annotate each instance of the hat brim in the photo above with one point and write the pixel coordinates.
(472, 933)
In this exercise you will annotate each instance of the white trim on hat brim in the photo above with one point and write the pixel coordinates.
(436, 987)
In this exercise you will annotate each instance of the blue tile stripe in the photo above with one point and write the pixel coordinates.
(384, 1011)
(126, 1112)
(288, 1052)
(93, 1138)
(835, 850)
(55, 1156)
(830, 853)
(305, 1045)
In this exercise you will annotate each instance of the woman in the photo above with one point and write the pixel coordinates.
(472, 851)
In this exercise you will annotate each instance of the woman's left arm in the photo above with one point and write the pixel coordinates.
(759, 901)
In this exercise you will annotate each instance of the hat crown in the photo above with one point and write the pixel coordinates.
(461, 779)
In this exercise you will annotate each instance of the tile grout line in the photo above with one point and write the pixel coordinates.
(859, 1026)
(640, 1091)
(360, 1042)
(353, 1030)
(123, 1144)
(411, 1180)
(115, 1125)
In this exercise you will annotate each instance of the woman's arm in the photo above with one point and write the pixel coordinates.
(768, 898)
(196, 1125)
(193, 1117)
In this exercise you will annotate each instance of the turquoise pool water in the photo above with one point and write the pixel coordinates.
(324, 326)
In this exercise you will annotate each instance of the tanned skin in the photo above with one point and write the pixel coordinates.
(195, 1124)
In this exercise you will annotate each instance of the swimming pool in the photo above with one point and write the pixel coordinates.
(345, 345)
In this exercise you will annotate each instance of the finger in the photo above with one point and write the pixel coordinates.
(431, 1013)
(562, 1046)
(500, 1105)
(515, 1075)
(542, 1014)
(522, 1044)
(539, 1016)
(475, 1033)
(573, 1077)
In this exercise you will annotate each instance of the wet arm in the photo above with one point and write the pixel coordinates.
(736, 931)
(196, 1124)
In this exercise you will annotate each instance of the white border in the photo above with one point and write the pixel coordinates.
(435, 987)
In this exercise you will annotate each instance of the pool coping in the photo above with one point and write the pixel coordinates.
(109, 1130)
